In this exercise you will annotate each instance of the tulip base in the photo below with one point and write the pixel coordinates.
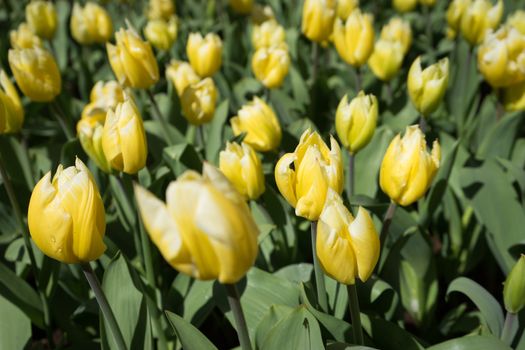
(355, 314)
(319, 275)
(386, 223)
(235, 304)
(509, 328)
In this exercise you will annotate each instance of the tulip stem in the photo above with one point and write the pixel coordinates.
(423, 125)
(104, 305)
(235, 304)
(158, 115)
(351, 170)
(200, 134)
(358, 83)
(508, 332)
(315, 61)
(353, 304)
(62, 120)
(386, 223)
(428, 15)
(319, 275)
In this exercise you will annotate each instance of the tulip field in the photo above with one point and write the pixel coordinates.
(262, 174)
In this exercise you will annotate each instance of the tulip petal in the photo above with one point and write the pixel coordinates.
(285, 178)
(365, 243)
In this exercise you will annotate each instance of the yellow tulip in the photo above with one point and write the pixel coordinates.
(242, 7)
(11, 110)
(267, 34)
(161, 34)
(404, 5)
(132, 60)
(181, 75)
(514, 287)
(90, 132)
(241, 165)
(24, 38)
(455, 12)
(205, 229)
(478, 18)
(501, 57)
(107, 95)
(355, 122)
(124, 139)
(513, 97)
(41, 17)
(347, 247)
(427, 87)
(304, 177)
(90, 24)
(354, 39)
(408, 169)
(517, 20)
(398, 30)
(262, 13)
(66, 215)
(198, 102)
(161, 9)
(345, 8)
(204, 54)
(36, 73)
(270, 65)
(386, 59)
(259, 122)
(318, 19)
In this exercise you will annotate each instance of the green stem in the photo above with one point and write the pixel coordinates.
(351, 170)
(509, 328)
(386, 223)
(201, 137)
(158, 115)
(62, 119)
(428, 15)
(104, 305)
(315, 61)
(353, 304)
(235, 304)
(423, 125)
(358, 82)
(319, 275)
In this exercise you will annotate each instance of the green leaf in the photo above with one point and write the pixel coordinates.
(15, 326)
(474, 342)
(274, 315)
(189, 336)
(500, 139)
(344, 346)
(215, 139)
(387, 335)
(182, 157)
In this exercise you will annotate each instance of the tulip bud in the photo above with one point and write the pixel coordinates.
(455, 11)
(161, 34)
(242, 7)
(398, 30)
(241, 165)
(36, 73)
(205, 229)
(90, 24)
(66, 215)
(517, 21)
(160, 9)
(107, 95)
(259, 122)
(514, 287)
(198, 102)
(355, 122)
(386, 59)
(132, 60)
(90, 132)
(204, 54)
(427, 87)
(501, 57)
(267, 34)
(478, 18)
(354, 39)
(123, 138)
(404, 5)
(11, 111)
(318, 19)
(347, 247)
(513, 97)
(181, 75)
(41, 17)
(407, 169)
(270, 65)
(261, 14)
(24, 38)
(345, 7)
(304, 177)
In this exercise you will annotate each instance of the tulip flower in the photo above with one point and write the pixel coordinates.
(304, 176)
(514, 287)
(386, 59)
(262, 13)
(354, 39)
(205, 229)
(408, 169)
(90, 24)
(132, 60)
(241, 165)
(90, 132)
(161, 34)
(66, 215)
(198, 102)
(455, 12)
(355, 122)
(347, 247)
(204, 53)
(318, 19)
(399, 31)
(513, 97)
(161, 9)
(242, 7)
(11, 110)
(404, 5)
(267, 34)
(427, 87)
(478, 18)
(36, 73)
(41, 17)
(270, 65)
(181, 75)
(259, 122)
(24, 38)
(107, 95)
(124, 139)
(517, 21)
(345, 7)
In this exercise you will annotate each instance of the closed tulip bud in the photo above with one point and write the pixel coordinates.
(242, 7)
(304, 177)
(161, 9)
(354, 39)
(90, 24)
(205, 229)
(478, 18)
(513, 97)
(204, 54)
(408, 168)
(90, 132)
(42, 18)
(345, 7)
(198, 102)
(404, 5)
(11, 111)
(347, 247)
(261, 13)
(24, 38)
(386, 59)
(318, 19)
(267, 34)
(455, 11)
(161, 34)
(36, 73)
(270, 65)
(132, 60)
(355, 122)
(107, 95)
(123, 138)
(181, 75)
(66, 215)
(398, 30)
(517, 21)
(241, 165)
(501, 57)
(259, 122)
(514, 287)
(427, 87)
